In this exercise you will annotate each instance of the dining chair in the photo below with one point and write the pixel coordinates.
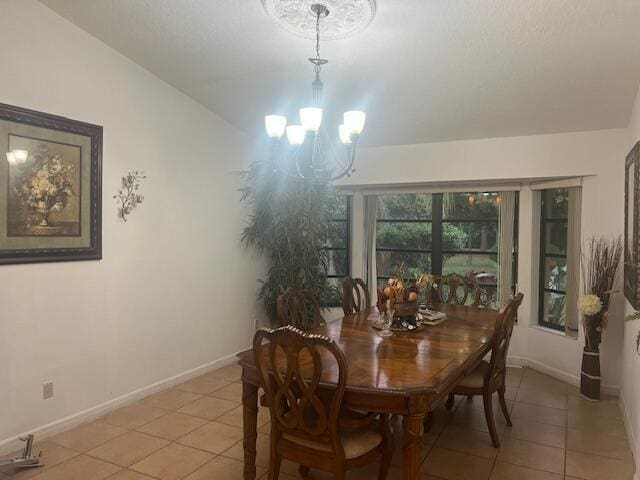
(298, 308)
(355, 296)
(489, 377)
(305, 420)
(456, 289)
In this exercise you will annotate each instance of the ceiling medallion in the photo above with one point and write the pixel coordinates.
(348, 17)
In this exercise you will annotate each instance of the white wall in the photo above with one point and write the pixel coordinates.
(173, 278)
(630, 394)
(595, 154)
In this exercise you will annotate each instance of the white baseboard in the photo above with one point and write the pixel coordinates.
(12, 443)
(633, 440)
(571, 379)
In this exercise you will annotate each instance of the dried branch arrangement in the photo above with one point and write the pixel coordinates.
(600, 261)
(128, 196)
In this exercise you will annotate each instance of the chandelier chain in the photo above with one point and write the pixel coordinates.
(317, 67)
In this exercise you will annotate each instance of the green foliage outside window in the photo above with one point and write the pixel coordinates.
(553, 253)
(412, 230)
(468, 245)
(337, 245)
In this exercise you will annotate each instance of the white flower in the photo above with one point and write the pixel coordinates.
(589, 304)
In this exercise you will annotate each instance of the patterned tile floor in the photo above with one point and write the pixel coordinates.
(194, 431)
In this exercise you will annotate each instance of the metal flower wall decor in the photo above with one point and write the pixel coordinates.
(128, 197)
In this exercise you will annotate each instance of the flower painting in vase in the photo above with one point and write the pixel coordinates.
(43, 199)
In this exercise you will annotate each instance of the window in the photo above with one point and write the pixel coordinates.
(403, 234)
(441, 233)
(554, 223)
(338, 243)
(470, 239)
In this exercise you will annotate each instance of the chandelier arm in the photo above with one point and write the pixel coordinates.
(297, 163)
(347, 172)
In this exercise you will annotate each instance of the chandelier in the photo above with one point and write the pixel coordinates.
(312, 154)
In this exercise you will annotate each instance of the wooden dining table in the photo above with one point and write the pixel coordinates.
(407, 374)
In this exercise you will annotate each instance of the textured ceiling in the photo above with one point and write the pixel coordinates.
(424, 70)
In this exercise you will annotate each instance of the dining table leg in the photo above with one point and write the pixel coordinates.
(250, 426)
(413, 429)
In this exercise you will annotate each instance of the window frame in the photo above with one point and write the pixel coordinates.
(437, 252)
(347, 247)
(420, 251)
(470, 251)
(543, 255)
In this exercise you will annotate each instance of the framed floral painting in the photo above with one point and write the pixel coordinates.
(50, 186)
(631, 240)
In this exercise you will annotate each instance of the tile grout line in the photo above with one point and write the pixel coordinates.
(86, 454)
(429, 448)
(129, 430)
(141, 458)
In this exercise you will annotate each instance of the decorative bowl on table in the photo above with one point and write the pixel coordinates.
(399, 325)
(406, 309)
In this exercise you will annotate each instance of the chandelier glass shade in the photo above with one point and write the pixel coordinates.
(312, 153)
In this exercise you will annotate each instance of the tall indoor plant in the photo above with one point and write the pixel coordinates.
(600, 260)
(289, 225)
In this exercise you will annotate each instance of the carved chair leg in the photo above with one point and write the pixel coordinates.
(503, 405)
(387, 447)
(450, 401)
(488, 413)
(274, 465)
(274, 468)
(275, 459)
(304, 471)
(250, 416)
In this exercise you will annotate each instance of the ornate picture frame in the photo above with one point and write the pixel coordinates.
(50, 188)
(631, 240)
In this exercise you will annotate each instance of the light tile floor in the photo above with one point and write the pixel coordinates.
(194, 431)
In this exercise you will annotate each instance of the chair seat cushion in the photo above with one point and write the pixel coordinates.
(355, 442)
(475, 379)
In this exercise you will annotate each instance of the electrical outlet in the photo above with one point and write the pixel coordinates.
(47, 390)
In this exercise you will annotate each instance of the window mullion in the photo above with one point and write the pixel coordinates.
(436, 233)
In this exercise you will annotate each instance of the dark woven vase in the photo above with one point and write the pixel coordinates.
(590, 374)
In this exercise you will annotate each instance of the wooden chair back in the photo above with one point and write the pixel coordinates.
(298, 308)
(501, 339)
(456, 289)
(355, 295)
(290, 363)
